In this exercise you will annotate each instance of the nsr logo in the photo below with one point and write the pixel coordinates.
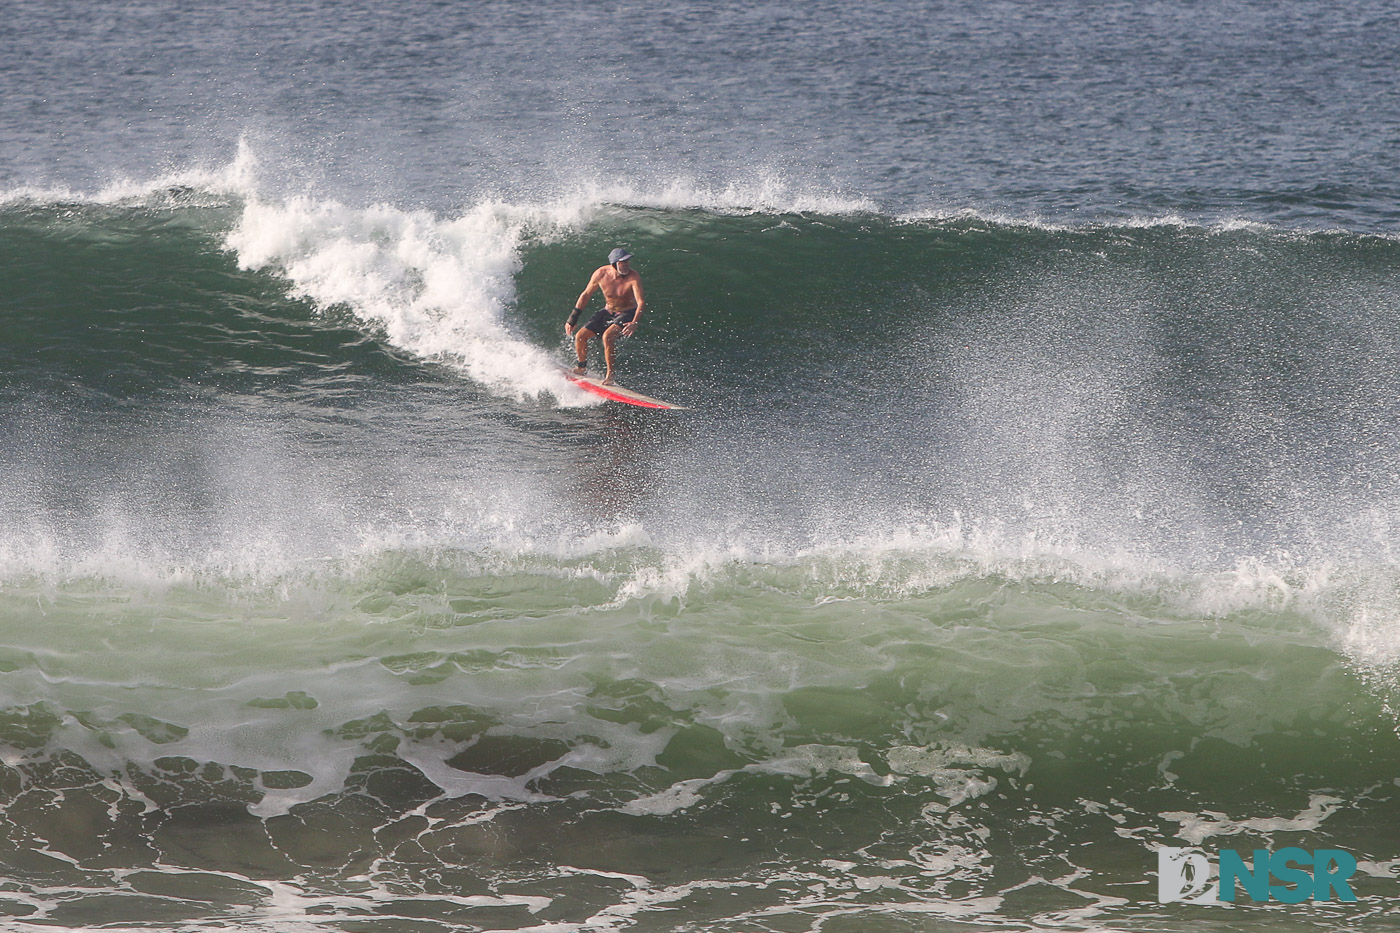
(1184, 875)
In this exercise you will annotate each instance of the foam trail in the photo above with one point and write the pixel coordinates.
(438, 289)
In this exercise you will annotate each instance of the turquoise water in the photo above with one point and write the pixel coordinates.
(1034, 508)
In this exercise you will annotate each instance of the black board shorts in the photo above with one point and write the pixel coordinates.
(605, 318)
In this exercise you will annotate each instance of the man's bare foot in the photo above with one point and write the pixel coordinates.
(581, 370)
(606, 380)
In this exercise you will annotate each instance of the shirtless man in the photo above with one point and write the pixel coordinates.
(623, 302)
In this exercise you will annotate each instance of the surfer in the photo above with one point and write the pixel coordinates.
(622, 310)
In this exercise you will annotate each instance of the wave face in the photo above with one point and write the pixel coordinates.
(1179, 394)
(991, 556)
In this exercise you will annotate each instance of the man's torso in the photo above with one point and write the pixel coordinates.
(617, 289)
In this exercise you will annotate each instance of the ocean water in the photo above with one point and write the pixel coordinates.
(1037, 506)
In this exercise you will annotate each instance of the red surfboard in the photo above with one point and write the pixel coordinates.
(617, 393)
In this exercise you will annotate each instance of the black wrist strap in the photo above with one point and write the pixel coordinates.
(573, 318)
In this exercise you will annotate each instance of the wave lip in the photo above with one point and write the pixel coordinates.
(184, 187)
(760, 193)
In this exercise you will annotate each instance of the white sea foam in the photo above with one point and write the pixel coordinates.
(441, 290)
(1196, 828)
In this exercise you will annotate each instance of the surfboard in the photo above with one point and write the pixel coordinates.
(616, 393)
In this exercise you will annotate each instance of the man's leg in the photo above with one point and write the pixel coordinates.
(609, 338)
(581, 350)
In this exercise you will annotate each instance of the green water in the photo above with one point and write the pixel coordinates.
(943, 610)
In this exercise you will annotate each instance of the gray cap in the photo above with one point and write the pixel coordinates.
(618, 255)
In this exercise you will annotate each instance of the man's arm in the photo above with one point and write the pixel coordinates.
(581, 302)
(631, 326)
